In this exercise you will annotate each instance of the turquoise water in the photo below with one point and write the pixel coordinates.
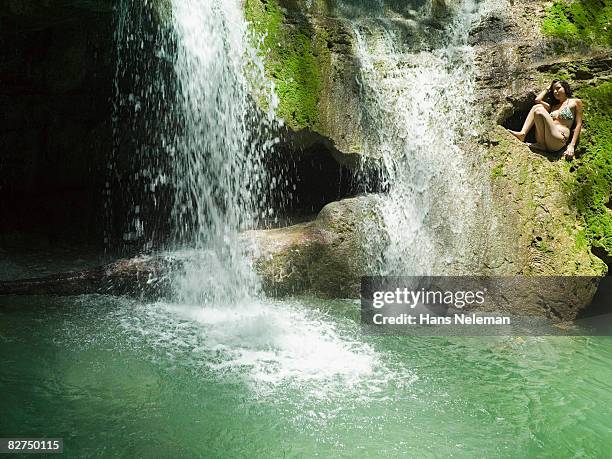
(118, 377)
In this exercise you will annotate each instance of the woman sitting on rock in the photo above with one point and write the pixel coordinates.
(553, 114)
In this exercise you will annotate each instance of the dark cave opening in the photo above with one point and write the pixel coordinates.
(56, 72)
(311, 173)
(603, 255)
(601, 305)
(515, 123)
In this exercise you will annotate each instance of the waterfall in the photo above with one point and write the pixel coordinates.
(192, 140)
(220, 178)
(198, 143)
(417, 99)
(205, 153)
(194, 73)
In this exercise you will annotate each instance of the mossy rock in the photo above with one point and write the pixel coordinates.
(308, 54)
(295, 58)
(591, 190)
(586, 22)
(536, 227)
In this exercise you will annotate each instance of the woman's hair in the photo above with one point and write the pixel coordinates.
(550, 95)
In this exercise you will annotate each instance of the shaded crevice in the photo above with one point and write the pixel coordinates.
(311, 173)
(604, 256)
(515, 113)
(602, 300)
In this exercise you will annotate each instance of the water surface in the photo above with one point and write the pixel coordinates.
(290, 379)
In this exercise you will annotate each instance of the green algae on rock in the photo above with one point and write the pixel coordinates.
(296, 57)
(540, 225)
(591, 192)
(308, 54)
(591, 186)
(580, 21)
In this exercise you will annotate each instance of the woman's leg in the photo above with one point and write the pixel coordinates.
(548, 134)
(540, 127)
(527, 124)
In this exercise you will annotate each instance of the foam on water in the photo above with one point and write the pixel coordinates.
(265, 343)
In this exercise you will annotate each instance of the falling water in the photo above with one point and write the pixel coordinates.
(417, 93)
(204, 151)
(220, 177)
(203, 145)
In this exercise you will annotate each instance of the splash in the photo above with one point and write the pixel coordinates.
(266, 344)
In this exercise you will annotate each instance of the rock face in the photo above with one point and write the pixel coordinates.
(540, 215)
(327, 256)
(534, 230)
(309, 57)
(551, 213)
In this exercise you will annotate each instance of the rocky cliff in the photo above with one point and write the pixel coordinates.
(556, 214)
(539, 214)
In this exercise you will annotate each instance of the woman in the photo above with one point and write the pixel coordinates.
(553, 114)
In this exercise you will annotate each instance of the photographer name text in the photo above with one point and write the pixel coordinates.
(430, 319)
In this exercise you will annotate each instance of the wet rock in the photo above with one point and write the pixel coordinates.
(491, 28)
(145, 275)
(327, 256)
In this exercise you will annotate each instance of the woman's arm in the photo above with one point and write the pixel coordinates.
(540, 99)
(569, 152)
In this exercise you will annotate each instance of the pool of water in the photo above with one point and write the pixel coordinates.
(293, 378)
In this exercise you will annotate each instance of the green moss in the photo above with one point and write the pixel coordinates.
(543, 247)
(593, 184)
(581, 240)
(294, 59)
(585, 21)
(498, 171)
(562, 74)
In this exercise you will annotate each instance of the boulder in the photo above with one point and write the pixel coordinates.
(327, 256)
(534, 228)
